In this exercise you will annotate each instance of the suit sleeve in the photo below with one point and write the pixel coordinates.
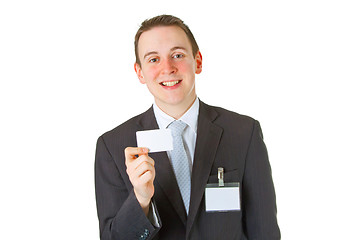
(259, 202)
(120, 215)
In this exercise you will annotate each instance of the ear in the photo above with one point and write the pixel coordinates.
(139, 73)
(198, 61)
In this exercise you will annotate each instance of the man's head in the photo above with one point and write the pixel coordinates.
(164, 20)
(167, 64)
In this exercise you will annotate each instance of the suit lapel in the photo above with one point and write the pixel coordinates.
(165, 177)
(208, 139)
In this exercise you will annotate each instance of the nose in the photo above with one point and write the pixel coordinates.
(168, 67)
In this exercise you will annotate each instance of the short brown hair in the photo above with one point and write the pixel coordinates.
(164, 20)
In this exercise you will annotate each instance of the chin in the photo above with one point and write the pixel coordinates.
(173, 101)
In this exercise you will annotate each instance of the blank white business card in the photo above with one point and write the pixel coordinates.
(157, 140)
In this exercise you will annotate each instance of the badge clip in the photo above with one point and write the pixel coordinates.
(221, 176)
(221, 196)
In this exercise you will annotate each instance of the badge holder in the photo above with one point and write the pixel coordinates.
(221, 196)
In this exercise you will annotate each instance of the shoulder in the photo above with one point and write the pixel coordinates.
(126, 131)
(227, 118)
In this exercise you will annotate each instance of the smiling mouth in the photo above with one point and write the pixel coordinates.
(170, 84)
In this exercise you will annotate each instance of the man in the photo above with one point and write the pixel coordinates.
(141, 195)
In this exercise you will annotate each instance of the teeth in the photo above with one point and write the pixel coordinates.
(170, 84)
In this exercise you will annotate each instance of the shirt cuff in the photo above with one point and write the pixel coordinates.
(152, 216)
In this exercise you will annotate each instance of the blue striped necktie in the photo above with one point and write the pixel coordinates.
(180, 162)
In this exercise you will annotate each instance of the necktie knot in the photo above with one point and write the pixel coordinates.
(177, 127)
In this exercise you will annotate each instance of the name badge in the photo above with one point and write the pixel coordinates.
(222, 197)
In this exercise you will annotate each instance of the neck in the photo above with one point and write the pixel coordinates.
(176, 111)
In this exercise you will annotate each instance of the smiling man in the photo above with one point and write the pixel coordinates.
(168, 66)
(162, 195)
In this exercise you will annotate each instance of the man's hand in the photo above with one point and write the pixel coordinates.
(141, 172)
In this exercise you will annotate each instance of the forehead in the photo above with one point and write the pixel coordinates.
(163, 38)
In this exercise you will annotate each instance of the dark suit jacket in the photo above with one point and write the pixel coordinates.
(224, 139)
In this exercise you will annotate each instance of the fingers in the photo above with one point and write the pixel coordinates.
(138, 167)
(133, 162)
(141, 171)
(148, 176)
(131, 152)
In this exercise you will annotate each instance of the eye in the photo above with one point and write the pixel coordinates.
(179, 55)
(152, 60)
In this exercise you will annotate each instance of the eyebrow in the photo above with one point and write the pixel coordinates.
(150, 53)
(175, 48)
(172, 49)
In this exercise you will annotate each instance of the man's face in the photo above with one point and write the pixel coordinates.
(168, 66)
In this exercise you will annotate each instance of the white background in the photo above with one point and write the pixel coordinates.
(66, 71)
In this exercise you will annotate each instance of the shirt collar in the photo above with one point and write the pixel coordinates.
(190, 117)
